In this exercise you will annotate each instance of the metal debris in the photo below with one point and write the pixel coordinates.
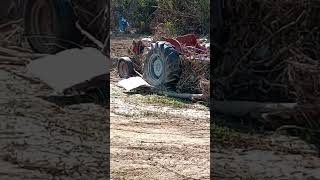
(70, 67)
(133, 83)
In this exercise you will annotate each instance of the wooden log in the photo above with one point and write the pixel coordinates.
(11, 23)
(16, 53)
(179, 95)
(21, 49)
(13, 59)
(12, 63)
(244, 108)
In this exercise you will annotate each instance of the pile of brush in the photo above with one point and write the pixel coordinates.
(304, 73)
(263, 36)
(272, 55)
(93, 17)
(195, 76)
(13, 50)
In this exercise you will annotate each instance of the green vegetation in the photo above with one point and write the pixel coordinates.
(178, 16)
(164, 100)
(138, 12)
(185, 16)
(148, 113)
(224, 134)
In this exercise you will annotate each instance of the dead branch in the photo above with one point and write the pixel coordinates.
(16, 53)
(269, 59)
(11, 23)
(90, 37)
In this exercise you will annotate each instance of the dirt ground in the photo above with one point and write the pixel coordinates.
(151, 140)
(154, 141)
(40, 140)
(157, 141)
(272, 156)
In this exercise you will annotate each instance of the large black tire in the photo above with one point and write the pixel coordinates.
(50, 25)
(162, 66)
(125, 68)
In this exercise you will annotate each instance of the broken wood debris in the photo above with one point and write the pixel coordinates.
(19, 53)
(273, 57)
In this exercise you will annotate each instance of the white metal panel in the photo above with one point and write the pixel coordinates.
(133, 83)
(70, 67)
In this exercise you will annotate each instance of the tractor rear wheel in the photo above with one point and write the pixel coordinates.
(50, 25)
(162, 66)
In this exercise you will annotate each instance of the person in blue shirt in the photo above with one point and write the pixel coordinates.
(122, 23)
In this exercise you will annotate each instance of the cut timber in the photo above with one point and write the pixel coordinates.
(13, 59)
(16, 53)
(21, 49)
(243, 108)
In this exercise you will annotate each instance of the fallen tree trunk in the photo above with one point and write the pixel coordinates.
(180, 95)
(245, 108)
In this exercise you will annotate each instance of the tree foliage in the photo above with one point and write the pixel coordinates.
(178, 16)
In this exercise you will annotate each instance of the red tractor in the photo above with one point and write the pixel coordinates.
(162, 63)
